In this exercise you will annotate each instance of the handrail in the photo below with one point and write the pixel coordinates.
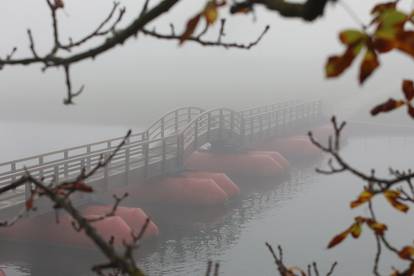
(163, 147)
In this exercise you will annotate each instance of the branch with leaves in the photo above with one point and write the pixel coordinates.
(119, 263)
(397, 189)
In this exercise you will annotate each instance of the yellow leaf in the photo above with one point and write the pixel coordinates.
(210, 12)
(392, 197)
(363, 197)
(356, 230)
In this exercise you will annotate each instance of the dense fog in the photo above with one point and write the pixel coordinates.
(133, 85)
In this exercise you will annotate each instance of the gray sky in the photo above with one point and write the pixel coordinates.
(136, 83)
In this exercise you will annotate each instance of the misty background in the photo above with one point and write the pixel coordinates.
(134, 84)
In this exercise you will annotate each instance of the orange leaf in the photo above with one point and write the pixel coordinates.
(389, 105)
(338, 238)
(365, 196)
(406, 253)
(190, 28)
(379, 228)
(405, 42)
(392, 197)
(368, 65)
(408, 89)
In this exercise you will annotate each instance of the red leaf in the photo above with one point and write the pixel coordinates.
(406, 253)
(410, 110)
(190, 28)
(389, 105)
(336, 65)
(405, 42)
(408, 89)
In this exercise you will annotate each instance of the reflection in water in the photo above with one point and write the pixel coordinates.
(301, 212)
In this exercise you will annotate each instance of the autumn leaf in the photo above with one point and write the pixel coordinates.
(405, 42)
(406, 253)
(356, 230)
(378, 228)
(387, 106)
(351, 36)
(338, 238)
(210, 12)
(392, 198)
(190, 28)
(363, 197)
(369, 64)
(408, 89)
(59, 4)
(379, 8)
(336, 65)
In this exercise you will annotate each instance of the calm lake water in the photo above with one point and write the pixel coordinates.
(301, 213)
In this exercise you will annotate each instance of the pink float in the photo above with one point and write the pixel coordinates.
(274, 155)
(221, 179)
(235, 163)
(44, 229)
(293, 147)
(134, 217)
(179, 190)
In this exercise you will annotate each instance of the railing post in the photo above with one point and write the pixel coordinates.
(163, 152)
(196, 135)
(231, 124)
(176, 121)
(13, 169)
(82, 165)
(106, 172)
(127, 160)
(189, 115)
(162, 127)
(251, 128)
(27, 191)
(56, 173)
(65, 169)
(269, 123)
(41, 169)
(261, 125)
(145, 151)
(180, 151)
(221, 123)
(208, 125)
(88, 151)
(242, 130)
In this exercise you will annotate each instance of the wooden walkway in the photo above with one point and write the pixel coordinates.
(163, 147)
